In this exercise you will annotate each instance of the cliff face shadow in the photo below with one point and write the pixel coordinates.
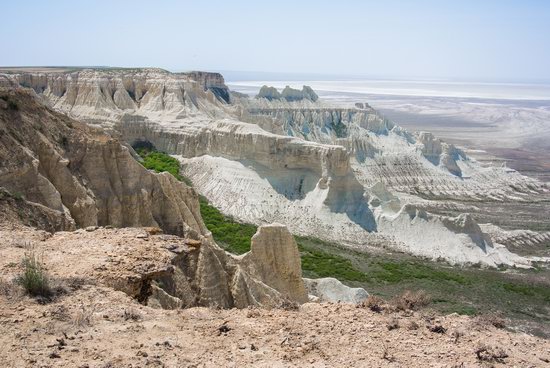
(346, 195)
(294, 184)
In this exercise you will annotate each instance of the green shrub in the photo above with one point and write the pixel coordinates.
(17, 196)
(232, 235)
(161, 162)
(34, 279)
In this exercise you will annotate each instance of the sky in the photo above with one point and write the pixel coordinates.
(501, 40)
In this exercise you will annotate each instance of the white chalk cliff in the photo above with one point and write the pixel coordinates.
(342, 174)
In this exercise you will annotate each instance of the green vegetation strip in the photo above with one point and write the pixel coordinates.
(161, 162)
(233, 236)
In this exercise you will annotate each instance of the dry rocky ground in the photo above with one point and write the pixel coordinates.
(90, 324)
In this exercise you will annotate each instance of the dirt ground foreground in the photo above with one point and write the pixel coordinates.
(92, 325)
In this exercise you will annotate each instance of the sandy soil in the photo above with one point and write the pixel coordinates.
(92, 325)
(98, 327)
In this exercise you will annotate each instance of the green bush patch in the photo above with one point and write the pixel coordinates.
(162, 162)
(232, 235)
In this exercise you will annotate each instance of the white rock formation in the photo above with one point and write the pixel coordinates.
(274, 259)
(329, 289)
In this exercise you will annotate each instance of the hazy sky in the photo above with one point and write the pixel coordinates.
(507, 40)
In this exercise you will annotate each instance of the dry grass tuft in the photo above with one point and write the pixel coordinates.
(288, 305)
(252, 312)
(84, 316)
(131, 314)
(411, 300)
(392, 324)
(485, 353)
(386, 353)
(456, 335)
(492, 319)
(374, 303)
(413, 326)
(8, 289)
(437, 329)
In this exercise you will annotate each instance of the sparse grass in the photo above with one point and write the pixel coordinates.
(394, 272)
(4, 194)
(34, 279)
(465, 310)
(518, 295)
(17, 196)
(528, 290)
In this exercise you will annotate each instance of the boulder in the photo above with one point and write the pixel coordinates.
(329, 289)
